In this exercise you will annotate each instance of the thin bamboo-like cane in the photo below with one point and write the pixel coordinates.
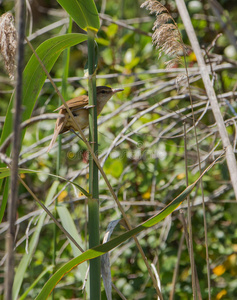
(12, 205)
(93, 202)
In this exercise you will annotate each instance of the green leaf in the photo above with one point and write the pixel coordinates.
(34, 76)
(4, 172)
(83, 12)
(69, 225)
(33, 80)
(4, 198)
(102, 249)
(27, 257)
(47, 270)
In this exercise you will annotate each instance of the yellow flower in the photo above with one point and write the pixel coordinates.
(221, 294)
(147, 194)
(181, 176)
(62, 196)
(219, 270)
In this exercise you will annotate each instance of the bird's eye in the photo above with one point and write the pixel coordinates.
(103, 91)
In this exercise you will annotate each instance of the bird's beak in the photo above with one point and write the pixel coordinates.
(117, 90)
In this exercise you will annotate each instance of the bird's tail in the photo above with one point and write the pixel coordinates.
(58, 128)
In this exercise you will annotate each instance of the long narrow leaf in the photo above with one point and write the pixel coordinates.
(4, 198)
(33, 80)
(102, 249)
(69, 225)
(34, 77)
(47, 270)
(21, 269)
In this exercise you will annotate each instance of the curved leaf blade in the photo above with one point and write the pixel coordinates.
(83, 12)
(102, 249)
(33, 80)
(34, 239)
(34, 76)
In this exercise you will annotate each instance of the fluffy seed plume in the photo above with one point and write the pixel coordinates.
(166, 36)
(8, 42)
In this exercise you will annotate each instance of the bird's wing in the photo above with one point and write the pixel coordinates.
(75, 103)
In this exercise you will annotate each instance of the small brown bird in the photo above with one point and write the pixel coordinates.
(80, 110)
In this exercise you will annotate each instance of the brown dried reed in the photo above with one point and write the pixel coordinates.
(166, 36)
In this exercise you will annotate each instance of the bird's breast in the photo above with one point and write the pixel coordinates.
(82, 118)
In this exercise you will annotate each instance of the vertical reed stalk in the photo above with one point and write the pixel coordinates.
(93, 202)
(12, 205)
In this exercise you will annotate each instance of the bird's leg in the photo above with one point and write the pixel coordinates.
(73, 131)
(84, 107)
(89, 106)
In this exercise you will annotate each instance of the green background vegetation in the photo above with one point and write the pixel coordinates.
(145, 171)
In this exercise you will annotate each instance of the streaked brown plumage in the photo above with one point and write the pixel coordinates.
(79, 108)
